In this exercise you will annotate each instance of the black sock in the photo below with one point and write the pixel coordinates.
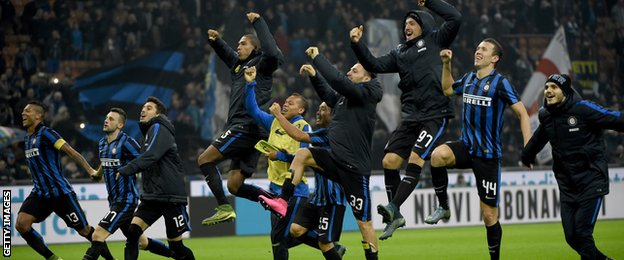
(439, 178)
(212, 176)
(250, 192)
(280, 252)
(392, 178)
(181, 251)
(494, 237)
(369, 251)
(408, 184)
(93, 252)
(332, 254)
(103, 249)
(288, 189)
(131, 251)
(310, 238)
(35, 241)
(158, 247)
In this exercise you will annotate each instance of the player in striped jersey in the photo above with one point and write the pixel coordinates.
(486, 94)
(115, 150)
(321, 219)
(52, 191)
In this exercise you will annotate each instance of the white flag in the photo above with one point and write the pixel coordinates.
(554, 60)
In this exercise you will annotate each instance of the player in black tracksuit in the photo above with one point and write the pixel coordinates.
(425, 110)
(574, 129)
(163, 191)
(353, 99)
(242, 133)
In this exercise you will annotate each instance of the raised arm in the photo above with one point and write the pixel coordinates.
(225, 52)
(261, 117)
(336, 79)
(324, 91)
(452, 21)
(383, 64)
(273, 57)
(447, 73)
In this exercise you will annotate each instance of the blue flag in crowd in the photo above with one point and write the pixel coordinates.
(127, 86)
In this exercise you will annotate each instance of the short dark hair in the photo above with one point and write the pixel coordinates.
(498, 48)
(254, 41)
(121, 112)
(160, 106)
(304, 102)
(42, 107)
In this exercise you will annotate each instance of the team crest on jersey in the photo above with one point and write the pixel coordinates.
(572, 121)
(486, 87)
(114, 149)
(237, 69)
(34, 141)
(420, 43)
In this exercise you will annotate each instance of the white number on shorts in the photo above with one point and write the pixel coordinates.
(356, 202)
(224, 135)
(110, 216)
(72, 217)
(422, 137)
(179, 221)
(323, 223)
(488, 185)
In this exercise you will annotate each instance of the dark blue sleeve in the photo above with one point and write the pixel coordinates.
(508, 93)
(320, 137)
(602, 117)
(132, 148)
(263, 118)
(458, 86)
(285, 157)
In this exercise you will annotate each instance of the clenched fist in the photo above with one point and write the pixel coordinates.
(275, 109)
(356, 33)
(446, 55)
(252, 17)
(312, 52)
(213, 34)
(250, 74)
(307, 69)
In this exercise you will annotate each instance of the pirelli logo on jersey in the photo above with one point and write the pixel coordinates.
(107, 162)
(30, 153)
(477, 100)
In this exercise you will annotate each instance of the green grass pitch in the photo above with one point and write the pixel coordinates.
(520, 241)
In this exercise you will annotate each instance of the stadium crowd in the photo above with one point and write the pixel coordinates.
(47, 44)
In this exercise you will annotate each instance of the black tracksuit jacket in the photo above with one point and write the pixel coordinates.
(418, 63)
(574, 129)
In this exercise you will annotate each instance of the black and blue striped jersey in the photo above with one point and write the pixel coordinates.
(483, 113)
(113, 155)
(325, 191)
(42, 149)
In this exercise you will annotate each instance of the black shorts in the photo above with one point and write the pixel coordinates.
(354, 184)
(280, 227)
(238, 144)
(65, 206)
(325, 220)
(119, 216)
(176, 217)
(486, 171)
(418, 137)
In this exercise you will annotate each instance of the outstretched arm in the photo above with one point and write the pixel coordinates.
(78, 158)
(336, 79)
(263, 118)
(225, 52)
(383, 64)
(602, 117)
(273, 56)
(452, 21)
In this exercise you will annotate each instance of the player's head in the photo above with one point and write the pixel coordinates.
(488, 53)
(247, 45)
(152, 108)
(357, 74)
(414, 24)
(115, 120)
(294, 105)
(557, 88)
(323, 115)
(33, 114)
